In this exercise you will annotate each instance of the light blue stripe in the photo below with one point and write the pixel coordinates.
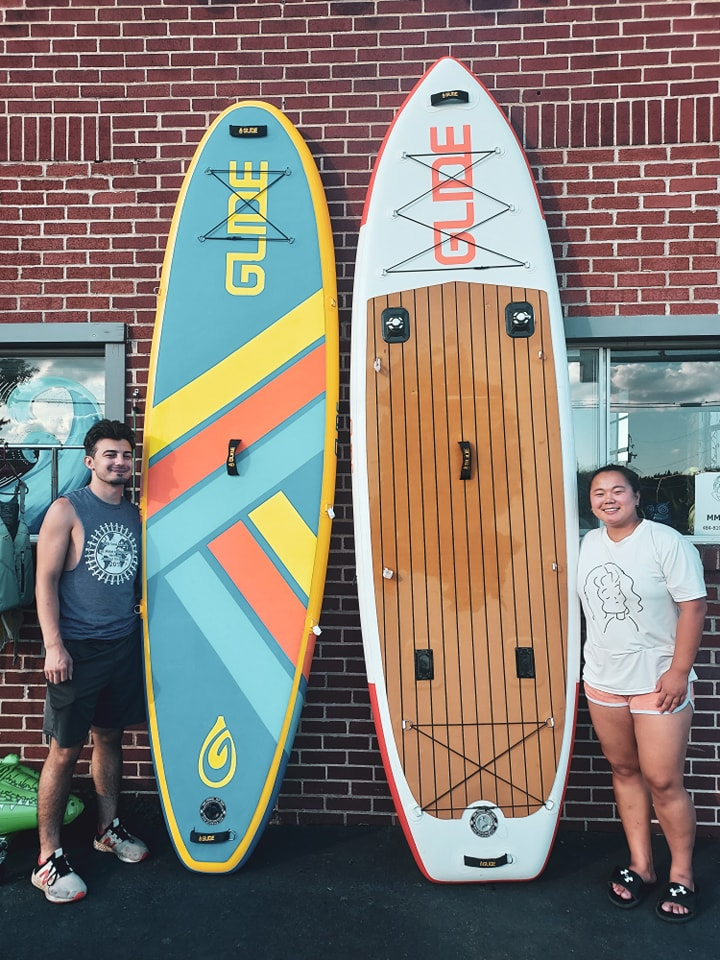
(213, 507)
(243, 651)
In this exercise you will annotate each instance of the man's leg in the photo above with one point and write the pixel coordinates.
(53, 874)
(53, 792)
(107, 773)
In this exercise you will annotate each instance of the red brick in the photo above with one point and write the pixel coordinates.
(617, 169)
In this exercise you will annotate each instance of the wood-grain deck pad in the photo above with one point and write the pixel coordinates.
(472, 569)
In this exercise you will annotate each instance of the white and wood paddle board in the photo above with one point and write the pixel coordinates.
(239, 461)
(464, 489)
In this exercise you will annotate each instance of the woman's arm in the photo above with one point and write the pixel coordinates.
(672, 685)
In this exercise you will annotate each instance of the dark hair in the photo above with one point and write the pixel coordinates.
(107, 430)
(632, 478)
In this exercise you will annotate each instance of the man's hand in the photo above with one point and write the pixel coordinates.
(58, 664)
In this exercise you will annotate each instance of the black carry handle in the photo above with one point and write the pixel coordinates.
(449, 96)
(249, 130)
(466, 468)
(232, 457)
(486, 862)
(221, 837)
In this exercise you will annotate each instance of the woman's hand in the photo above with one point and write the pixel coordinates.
(672, 690)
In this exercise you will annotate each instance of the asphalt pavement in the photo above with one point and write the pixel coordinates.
(351, 893)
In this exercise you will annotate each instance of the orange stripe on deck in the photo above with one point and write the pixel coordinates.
(260, 582)
(203, 453)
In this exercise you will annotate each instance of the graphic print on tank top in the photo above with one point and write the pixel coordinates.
(611, 596)
(111, 554)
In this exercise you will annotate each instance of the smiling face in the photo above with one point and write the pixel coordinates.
(613, 500)
(111, 462)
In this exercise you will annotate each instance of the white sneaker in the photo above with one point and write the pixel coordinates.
(57, 879)
(117, 840)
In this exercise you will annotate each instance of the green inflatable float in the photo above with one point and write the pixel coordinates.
(18, 801)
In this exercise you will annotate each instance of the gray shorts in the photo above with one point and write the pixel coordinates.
(106, 690)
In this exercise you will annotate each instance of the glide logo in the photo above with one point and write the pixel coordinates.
(247, 220)
(218, 758)
(453, 195)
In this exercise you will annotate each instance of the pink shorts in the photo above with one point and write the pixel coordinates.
(637, 702)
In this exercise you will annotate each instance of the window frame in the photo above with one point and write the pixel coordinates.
(64, 336)
(106, 340)
(648, 332)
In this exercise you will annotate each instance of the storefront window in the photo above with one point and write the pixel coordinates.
(50, 395)
(658, 412)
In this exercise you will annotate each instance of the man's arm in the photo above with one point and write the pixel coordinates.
(54, 548)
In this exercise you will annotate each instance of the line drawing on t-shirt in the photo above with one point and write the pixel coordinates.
(611, 595)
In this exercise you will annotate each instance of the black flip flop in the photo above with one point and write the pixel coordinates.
(677, 893)
(633, 883)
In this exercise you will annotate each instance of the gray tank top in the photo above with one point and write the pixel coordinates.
(98, 597)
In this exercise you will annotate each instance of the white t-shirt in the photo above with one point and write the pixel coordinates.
(629, 592)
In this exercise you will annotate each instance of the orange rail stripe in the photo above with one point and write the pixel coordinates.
(260, 582)
(196, 459)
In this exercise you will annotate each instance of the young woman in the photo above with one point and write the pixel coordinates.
(643, 593)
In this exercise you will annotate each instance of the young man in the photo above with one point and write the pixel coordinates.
(88, 562)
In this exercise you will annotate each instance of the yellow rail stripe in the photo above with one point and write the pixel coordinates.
(289, 536)
(236, 374)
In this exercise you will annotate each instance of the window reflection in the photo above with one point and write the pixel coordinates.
(661, 417)
(47, 402)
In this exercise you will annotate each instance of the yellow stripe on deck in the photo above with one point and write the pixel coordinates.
(237, 373)
(289, 536)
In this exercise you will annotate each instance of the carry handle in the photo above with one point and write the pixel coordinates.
(232, 457)
(466, 467)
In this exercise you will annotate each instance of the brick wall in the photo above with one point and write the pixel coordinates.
(101, 105)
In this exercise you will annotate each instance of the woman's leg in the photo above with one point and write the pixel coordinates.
(615, 729)
(662, 746)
